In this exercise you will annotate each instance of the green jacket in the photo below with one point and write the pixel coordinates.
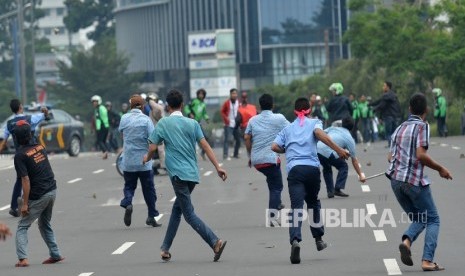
(355, 113)
(324, 112)
(198, 108)
(364, 111)
(101, 117)
(440, 109)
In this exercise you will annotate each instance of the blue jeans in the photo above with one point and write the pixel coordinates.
(148, 190)
(17, 189)
(40, 209)
(183, 206)
(274, 179)
(235, 132)
(304, 185)
(390, 124)
(418, 203)
(343, 172)
(366, 124)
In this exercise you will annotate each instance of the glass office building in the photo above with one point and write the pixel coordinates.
(276, 41)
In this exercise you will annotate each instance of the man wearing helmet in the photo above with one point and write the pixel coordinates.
(102, 124)
(339, 106)
(440, 110)
(197, 110)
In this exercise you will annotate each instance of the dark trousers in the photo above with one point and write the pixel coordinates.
(343, 172)
(304, 185)
(102, 139)
(390, 124)
(366, 124)
(442, 128)
(274, 180)
(236, 133)
(17, 189)
(148, 190)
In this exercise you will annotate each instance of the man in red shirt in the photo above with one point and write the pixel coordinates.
(246, 110)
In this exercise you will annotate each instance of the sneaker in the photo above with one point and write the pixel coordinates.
(295, 252)
(152, 222)
(330, 195)
(128, 215)
(14, 213)
(320, 245)
(340, 193)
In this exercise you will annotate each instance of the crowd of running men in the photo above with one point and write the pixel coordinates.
(149, 126)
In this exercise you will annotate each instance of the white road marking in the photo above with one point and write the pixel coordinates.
(392, 267)
(456, 148)
(380, 236)
(114, 164)
(158, 218)
(7, 168)
(207, 173)
(98, 171)
(365, 188)
(5, 207)
(444, 145)
(229, 159)
(173, 199)
(74, 180)
(123, 248)
(86, 274)
(220, 164)
(371, 208)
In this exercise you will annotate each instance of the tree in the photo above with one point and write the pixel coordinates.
(84, 13)
(101, 71)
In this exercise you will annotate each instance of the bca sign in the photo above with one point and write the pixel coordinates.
(202, 43)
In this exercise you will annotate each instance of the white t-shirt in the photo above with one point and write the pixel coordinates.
(233, 109)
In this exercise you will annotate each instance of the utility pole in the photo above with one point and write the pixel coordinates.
(33, 48)
(22, 50)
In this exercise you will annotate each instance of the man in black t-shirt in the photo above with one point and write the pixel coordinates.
(39, 191)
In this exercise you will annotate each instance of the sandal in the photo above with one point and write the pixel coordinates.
(434, 267)
(405, 254)
(220, 250)
(165, 256)
(52, 260)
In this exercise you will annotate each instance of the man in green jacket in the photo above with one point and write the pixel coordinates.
(197, 110)
(440, 110)
(365, 113)
(102, 124)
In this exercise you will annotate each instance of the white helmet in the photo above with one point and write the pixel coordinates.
(153, 97)
(96, 98)
(143, 95)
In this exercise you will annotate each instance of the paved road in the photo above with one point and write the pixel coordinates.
(89, 226)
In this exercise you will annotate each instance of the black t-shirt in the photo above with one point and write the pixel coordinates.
(32, 161)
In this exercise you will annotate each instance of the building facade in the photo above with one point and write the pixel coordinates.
(276, 41)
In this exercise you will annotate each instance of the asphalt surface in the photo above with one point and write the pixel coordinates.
(89, 228)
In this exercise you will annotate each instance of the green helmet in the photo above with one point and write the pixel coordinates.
(337, 88)
(437, 91)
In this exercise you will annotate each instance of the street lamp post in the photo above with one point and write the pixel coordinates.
(22, 50)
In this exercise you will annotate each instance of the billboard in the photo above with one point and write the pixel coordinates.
(203, 43)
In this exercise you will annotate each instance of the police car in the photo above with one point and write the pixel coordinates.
(62, 133)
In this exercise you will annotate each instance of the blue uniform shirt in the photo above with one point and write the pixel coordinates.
(136, 128)
(341, 137)
(300, 143)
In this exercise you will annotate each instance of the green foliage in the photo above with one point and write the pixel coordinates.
(84, 13)
(101, 71)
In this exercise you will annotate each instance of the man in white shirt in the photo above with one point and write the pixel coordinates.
(229, 113)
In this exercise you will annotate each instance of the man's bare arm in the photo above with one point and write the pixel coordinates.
(323, 137)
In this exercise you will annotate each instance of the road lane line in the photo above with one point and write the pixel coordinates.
(207, 173)
(86, 274)
(114, 164)
(158, 218)
(444, 145)
(456, 148)
(173, 199)
(98, 171)
(7, 168)
(380, 236)
(74, 180)
(365, 188)
(371, 208)
(5, 207)
(123, 248)
(220, 164)
(392, 267)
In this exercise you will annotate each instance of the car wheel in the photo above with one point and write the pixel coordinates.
(74, 146)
